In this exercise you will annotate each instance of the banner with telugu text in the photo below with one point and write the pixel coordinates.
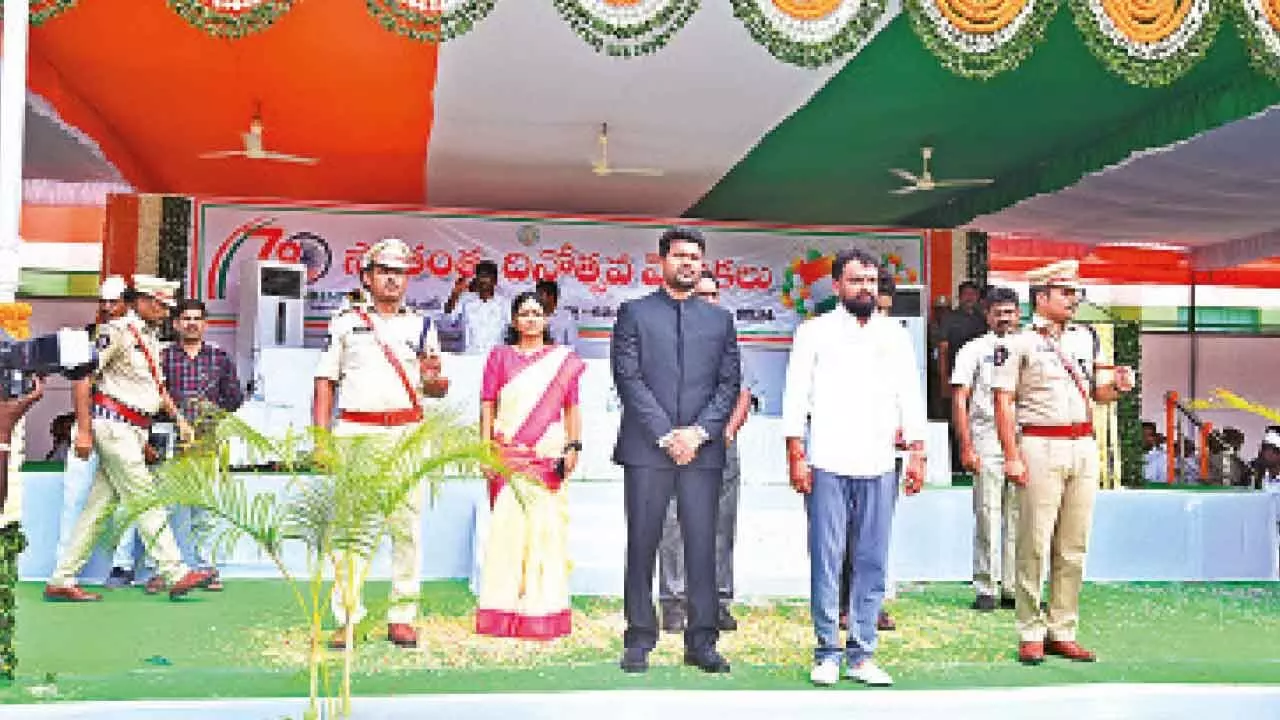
(770, 277)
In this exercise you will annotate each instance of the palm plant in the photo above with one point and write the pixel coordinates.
(340, 495)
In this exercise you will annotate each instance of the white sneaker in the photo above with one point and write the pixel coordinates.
(868, 673)
(826, 672)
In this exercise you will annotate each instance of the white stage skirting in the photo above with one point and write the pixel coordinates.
(1137, 535)
(633, 701)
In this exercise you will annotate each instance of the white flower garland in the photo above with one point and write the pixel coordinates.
(624, 15)
(977, 43)
(1175, 43)
(809, 32)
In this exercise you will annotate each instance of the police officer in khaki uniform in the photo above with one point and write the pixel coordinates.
(973, 416)
(113, 414)
(381, 360)
(1046, 382)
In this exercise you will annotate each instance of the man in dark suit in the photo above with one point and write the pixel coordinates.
(676, 366)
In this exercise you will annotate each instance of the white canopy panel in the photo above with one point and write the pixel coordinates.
(1218, 190)
(520, 100)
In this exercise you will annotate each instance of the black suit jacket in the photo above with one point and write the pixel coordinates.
(675, 364)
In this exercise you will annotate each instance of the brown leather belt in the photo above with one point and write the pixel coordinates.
(386, 418)
(1070, 432)
(130, 415)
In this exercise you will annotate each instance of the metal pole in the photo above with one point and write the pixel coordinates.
(1192, 365)
(13, 109)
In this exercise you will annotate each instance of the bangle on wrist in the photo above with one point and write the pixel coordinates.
(573, 445)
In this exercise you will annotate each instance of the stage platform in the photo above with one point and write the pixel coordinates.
(1137, 535)
(1130, 702)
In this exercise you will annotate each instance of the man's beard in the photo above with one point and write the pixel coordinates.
(860, 306)
(675, 282)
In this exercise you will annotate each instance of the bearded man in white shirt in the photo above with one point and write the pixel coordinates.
(853, 375)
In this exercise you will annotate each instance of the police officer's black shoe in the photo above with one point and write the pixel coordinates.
(119, 578)
(984, 603)
(673, 617)
(725, 621)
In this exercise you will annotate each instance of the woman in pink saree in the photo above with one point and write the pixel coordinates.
(529, 409)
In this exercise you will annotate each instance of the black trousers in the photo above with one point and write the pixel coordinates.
(647, 491)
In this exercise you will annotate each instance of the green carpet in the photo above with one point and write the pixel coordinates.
(249, 642)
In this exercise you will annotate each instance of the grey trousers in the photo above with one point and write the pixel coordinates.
(671, 576)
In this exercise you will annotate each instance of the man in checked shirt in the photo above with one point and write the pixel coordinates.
(201, 377)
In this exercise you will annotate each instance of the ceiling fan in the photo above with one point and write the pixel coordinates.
(925, 180)
(601, 167)
(253, 149)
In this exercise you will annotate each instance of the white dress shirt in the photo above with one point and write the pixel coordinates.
(856, 385)
(563, 327)
(484, 322)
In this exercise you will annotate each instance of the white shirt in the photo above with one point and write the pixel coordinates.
(856, 385)
(484, 322)
(974, 369)
(1155, 466)
(563, 327)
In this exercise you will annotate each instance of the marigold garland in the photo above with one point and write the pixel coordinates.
(12, 543)
(15, 319)
(1149, 44)
(810, 34)
(981, 40)
(430, 20)
(627, 29)
(231, 18)
(44, 10)
(1258, 22)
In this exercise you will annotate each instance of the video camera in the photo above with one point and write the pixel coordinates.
(68, 352)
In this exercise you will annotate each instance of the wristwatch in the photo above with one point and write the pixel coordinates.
(574, 445)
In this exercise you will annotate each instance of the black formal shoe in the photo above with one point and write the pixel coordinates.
(726, 622)
(673, 618)
(708, 660)
(119, 578)
(1008, 603)
(634, 660)
(984, 603)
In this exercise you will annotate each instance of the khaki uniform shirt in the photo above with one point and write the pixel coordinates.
(1045, 391)
(354, 359)
(123, 371)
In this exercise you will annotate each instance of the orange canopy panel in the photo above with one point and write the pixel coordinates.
(155, 92)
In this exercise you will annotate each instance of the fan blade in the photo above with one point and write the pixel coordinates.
(646, 172)
(905, 175)
(218, 154)
(905, 190)
(963, 183)
(284, 157)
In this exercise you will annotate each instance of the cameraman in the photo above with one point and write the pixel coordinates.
(113, 416)
(11, 411)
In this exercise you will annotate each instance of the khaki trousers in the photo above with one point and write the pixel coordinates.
(122, 475)
(405, 526)
(1055, 515)
(995, 512)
